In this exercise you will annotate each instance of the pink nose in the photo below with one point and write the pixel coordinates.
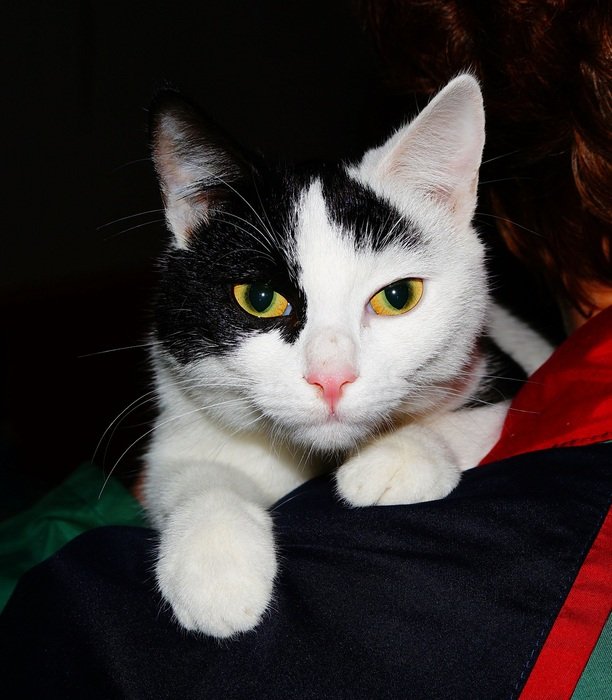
(331, 384)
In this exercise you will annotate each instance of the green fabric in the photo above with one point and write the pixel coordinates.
(596, 680)
(73, 507)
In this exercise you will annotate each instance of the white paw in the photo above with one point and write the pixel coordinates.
(217, 564)
(398, 469)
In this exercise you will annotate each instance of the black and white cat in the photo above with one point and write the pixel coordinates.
(307, 312)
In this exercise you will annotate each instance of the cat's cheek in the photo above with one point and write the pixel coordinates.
(217, 563)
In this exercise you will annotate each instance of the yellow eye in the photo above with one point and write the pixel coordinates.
(261, 300)
(397, 298)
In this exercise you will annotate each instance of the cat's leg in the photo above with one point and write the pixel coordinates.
(216, 560)
(422, 461)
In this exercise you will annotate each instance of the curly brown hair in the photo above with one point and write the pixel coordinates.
(546, 71)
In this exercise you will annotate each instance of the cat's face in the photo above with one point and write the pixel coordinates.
(323, 304)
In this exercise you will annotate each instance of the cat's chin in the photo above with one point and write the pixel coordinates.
(330, 436)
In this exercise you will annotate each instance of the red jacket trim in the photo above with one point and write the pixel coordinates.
(578, 626)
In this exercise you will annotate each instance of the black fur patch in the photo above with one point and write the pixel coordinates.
(373, 222)
(246, 240)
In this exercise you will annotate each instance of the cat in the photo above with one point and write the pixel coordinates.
(304, 312)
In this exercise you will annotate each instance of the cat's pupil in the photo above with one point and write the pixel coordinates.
(260, 297)
(398, 294)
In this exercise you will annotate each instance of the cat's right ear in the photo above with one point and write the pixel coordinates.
(194, 162)
(436, 156)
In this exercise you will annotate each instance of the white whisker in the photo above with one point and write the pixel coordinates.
(138, 346)
(133, 228)
(508, 221)
(130, 216)
(196, 186)
(159, 425)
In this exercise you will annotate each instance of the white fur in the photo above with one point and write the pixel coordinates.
(235, 433)
(526, 347)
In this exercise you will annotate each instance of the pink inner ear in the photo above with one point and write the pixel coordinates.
(183, 160)
(438, 154)
(185, 209)
(458, 193)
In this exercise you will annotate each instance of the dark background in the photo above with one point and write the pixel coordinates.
(81, 217)
(82, 225)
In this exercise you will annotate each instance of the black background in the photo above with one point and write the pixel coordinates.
(82, 225)
(291, 79)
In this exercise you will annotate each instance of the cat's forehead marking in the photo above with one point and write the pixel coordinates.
(340, 267)
(372, 221)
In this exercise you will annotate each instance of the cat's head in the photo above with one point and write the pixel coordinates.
(326, 302)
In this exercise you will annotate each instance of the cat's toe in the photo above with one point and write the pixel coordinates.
(217, 573)
(394, 472)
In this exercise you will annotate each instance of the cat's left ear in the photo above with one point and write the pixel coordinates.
(437, 155)
(194, 161)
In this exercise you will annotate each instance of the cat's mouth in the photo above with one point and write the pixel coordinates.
(333, 432)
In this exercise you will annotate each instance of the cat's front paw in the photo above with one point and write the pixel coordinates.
(217, 564)
(398, 469)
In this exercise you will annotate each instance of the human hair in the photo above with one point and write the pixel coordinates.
(545, 67)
